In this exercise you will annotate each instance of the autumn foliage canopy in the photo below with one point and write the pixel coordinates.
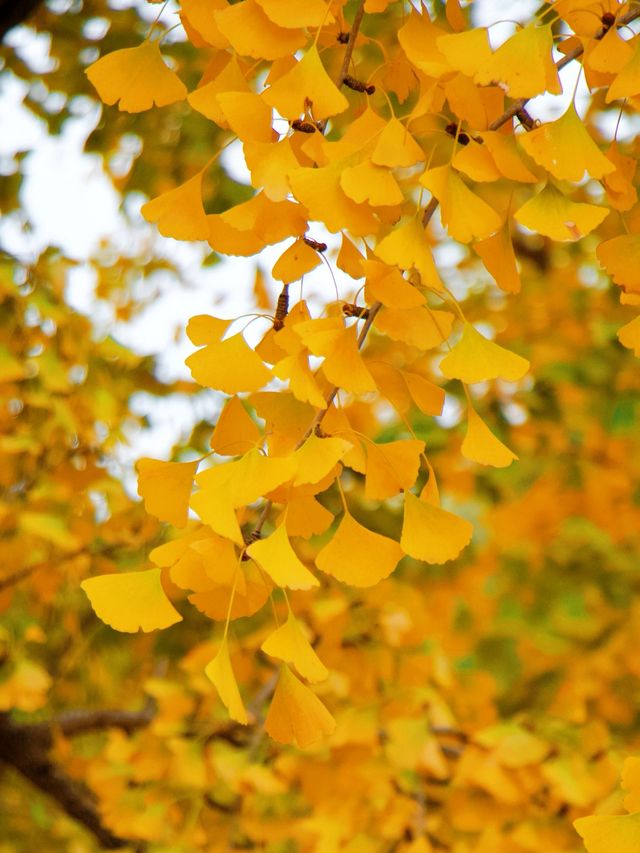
(382, 597)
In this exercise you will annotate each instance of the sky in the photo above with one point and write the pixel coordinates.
(70, 203)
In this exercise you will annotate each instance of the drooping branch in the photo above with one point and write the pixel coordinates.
(25, 747)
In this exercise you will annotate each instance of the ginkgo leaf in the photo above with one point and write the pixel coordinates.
(499, 258)
(419, 39)
(290, 644)
(524, 63)
(297, 260)
(215, 508)
(474, 160)
(466, 51)
(179, 213)
(396, 148)
(481, 445)
(296, 715)
(420, 327)
(629, 336)
(302, 382)
(349, 259)
(465, 215)
(205, 329)
(199, 15)
(358, 556)
(270, 164)
(407, 247)
(320, 192)
(292, 14)
(307, 82)
(553, 214)
(130, 601)
(305, 516)
(343, 365)
(565, 148)
(247, 116)
(427, 396)
(251, 33)
(627, 82)
(317, 457)
(620, 256)
(278, 559)
(248, 478)
(220, 672)
(235, 431)
(229, 78)
(136, 78)
(391, 468)
(606, 833)
(476, 359)
(166, 488)
(507, 157)
(367, 182)
(230, 366)
(387, 285)
(432, 534)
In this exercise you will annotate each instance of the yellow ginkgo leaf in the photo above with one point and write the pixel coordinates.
(524, 63)
(391, 468)
(235, 432)
(179, 213)
(366, 182)
(480, 444)
(293, 14)
(553, 214)
(396, 148)
(606, 833)
(270, 164)
(290, 644)
(302, 382)
(229, 78)
(199, 15)
(407, 247)
(631, 783)
(317, 457)
(627, 82)
(320, 192)
(427, 396)
(278, 559)
(464, 214)
(476, 359)
(248, 478)
(419, 327)
(230, 366)
(251, 33)
(620, 257)
(506, 156)
(629, 336)
(565, 148)
(306, 83)
(475, 161)
(305, 516)
(247, 116)
(343, 365)
(386, 284)
(419, 39)
(296, 715)
(215, 508)
(295, 262)
(131, 601)
(621, 192)
(349, 259)
(466, 51)
(166, 488)
(219, 671)
(137, 78)
(499, 258)
(432, 534)
(205, 329)
(358, 556)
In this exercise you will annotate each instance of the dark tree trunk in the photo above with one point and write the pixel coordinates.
(14, 12)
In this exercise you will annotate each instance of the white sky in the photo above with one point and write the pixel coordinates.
(70, 203)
